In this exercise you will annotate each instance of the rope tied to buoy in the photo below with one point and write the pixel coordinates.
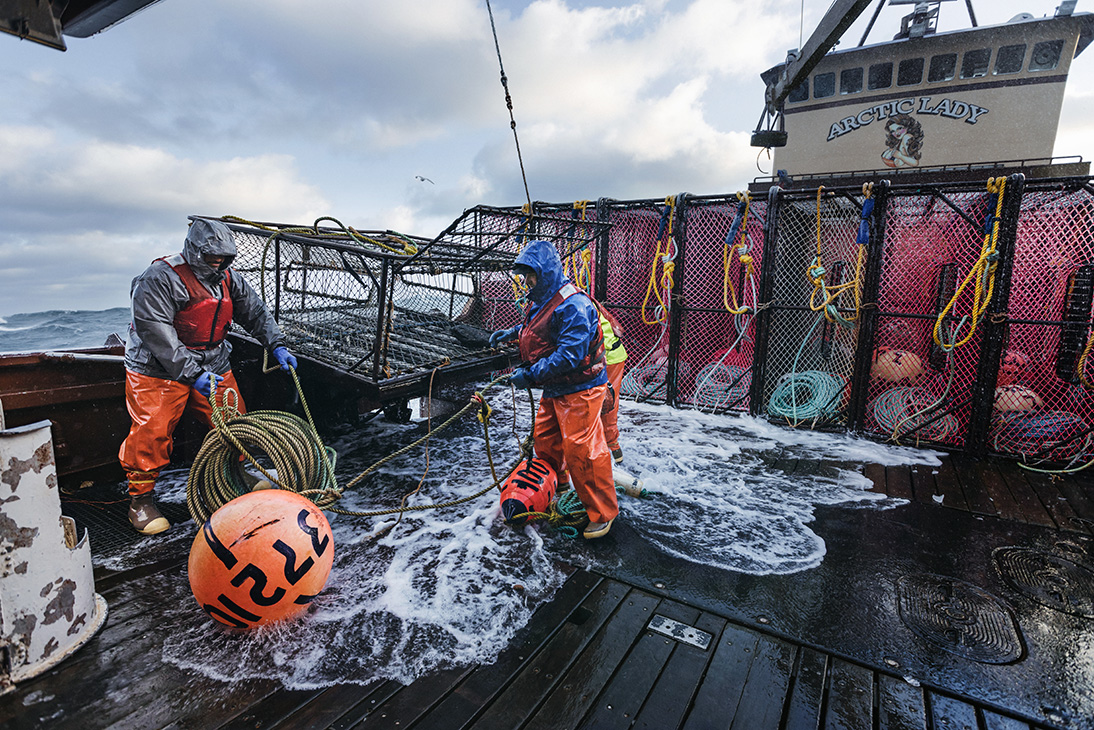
(301, 462)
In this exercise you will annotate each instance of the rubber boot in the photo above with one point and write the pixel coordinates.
(145, 516)
(597, 529)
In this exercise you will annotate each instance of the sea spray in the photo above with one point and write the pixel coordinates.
(450, 587)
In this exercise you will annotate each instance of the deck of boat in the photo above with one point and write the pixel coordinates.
(888, 632)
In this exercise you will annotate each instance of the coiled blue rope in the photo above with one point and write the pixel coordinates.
(808, 395)
(907, 409)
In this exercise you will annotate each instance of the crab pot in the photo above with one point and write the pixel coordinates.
(48, 604)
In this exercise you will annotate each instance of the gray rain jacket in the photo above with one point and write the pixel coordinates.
(153, 347)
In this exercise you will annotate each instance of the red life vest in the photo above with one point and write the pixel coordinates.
(535, 343)
(203, 323)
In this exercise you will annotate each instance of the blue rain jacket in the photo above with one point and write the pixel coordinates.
(574, 323)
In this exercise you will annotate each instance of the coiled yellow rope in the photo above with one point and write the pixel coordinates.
(728, 290)
(824, 298)
(656, 284)
(983, 271)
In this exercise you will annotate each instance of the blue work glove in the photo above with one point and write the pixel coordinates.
(204, 382)
(502, 336)
(521, 378)
(284, 358)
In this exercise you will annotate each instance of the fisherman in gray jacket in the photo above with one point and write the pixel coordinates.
(182, 306)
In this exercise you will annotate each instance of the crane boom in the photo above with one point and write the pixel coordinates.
(841, 14)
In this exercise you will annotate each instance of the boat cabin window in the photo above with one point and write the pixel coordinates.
(881, 76)
(799, 92)
(824, 85)
(975, 63)
(1009, 59)
(909, 72)
(942, 68)
(1046, 55)
(850, 80)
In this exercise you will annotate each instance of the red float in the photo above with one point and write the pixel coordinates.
(263, 557)
(530, 488)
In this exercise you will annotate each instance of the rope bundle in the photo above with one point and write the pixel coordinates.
(808, 395)
(719, 385)
(1052, 434)
(904, 410)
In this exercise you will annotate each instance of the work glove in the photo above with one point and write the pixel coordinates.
(521, 378)
(204, 383)
(284, 358)
(500, 336)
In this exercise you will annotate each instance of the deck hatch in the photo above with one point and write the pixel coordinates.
(960, 618)
(1048, 579)
(680, 632)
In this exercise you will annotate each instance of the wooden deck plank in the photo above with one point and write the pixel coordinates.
(256, 704)
(977, 500)
(331, 704)
(923, 485)
(410, 703)
(721, 689)
(1033, 511)
(362, 710)
(898, 483)
(803, 707)
(876, 474)
(1044, 485)
(528, 689)
(625, 693)
(574, 693)
(765, 690)
(1080, 500)
(999, 722)
(974, 477)
(485, 683)
(900, 705)
(952, 714)
(850, 703)
(949, 489)
(668, 701)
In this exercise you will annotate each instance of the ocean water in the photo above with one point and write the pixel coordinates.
(60, 329)
(450, 587)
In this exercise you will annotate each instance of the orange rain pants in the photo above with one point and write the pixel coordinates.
(610, 417)
(156, 405)
(569, 431)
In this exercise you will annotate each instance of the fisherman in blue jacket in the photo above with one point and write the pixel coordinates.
(562, 352)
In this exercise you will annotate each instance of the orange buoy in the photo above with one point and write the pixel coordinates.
(260, 558)
(530, 488)
(896, 366)
(1010, 398)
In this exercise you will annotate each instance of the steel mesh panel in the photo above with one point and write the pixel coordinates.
(717, 345)
(809, 359)
(917, 393)
(384, 305)
(1042, 412)
(632, 243)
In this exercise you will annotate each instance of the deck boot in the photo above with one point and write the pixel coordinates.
(597, 529)
(145, 516)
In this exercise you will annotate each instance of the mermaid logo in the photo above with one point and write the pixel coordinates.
(903, 141)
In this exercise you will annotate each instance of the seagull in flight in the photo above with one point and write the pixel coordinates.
(424, 179)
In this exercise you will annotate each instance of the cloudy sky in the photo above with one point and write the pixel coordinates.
(287, 110)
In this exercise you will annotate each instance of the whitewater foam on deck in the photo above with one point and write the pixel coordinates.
(451, 587)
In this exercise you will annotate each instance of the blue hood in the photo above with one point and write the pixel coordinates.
(541, 257)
